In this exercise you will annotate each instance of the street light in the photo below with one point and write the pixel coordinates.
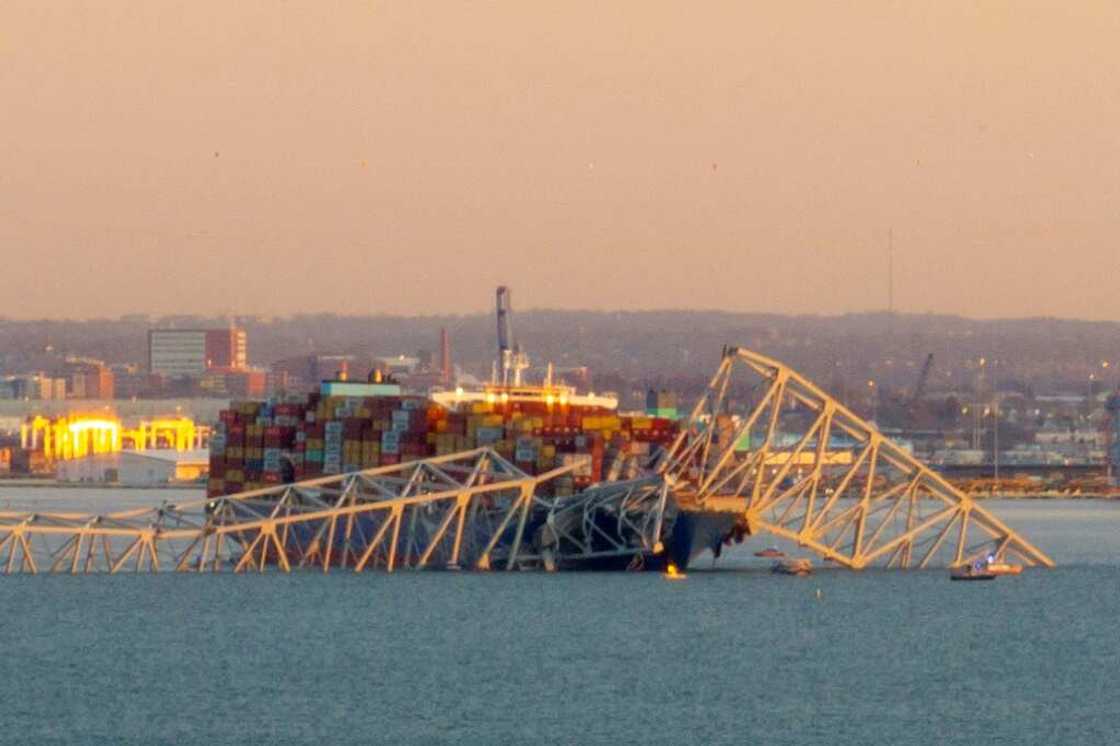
(1089, 396)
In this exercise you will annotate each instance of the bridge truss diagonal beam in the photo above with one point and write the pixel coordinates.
(768, 443)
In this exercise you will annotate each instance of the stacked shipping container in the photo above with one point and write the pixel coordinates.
(259, 444)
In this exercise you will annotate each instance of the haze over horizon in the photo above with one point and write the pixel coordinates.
(279, 158)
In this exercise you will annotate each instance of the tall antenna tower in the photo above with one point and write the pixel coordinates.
(890, 291)
(890, 271)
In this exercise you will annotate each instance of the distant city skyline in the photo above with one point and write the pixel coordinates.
(274, 159)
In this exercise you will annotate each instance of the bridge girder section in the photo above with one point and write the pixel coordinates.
(472, 510)
(793, 461)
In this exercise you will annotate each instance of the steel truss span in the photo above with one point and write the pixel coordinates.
(471, 510)
(764, 451)
(767, 443)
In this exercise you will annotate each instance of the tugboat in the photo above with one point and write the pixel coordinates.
(976, 571)
(770, 552)
(792, 567)
(1002, 568)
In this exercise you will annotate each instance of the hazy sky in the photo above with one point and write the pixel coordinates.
(276, 157)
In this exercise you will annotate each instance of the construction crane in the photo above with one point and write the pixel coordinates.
(511, 359)
(923, 379)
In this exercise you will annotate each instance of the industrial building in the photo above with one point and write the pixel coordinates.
(39, 386)
(306, 371)
(89, 379)
(137, 468)
(234, 383)
(188, 353)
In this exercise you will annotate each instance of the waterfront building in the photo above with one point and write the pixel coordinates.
(188, 353)
(137, 468)
(89, 379)
(38, 386)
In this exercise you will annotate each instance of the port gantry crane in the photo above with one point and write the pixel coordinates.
(764, 451)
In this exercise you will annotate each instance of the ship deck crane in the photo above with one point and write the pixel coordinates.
(511, 360)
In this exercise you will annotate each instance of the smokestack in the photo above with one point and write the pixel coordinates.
(444, 357)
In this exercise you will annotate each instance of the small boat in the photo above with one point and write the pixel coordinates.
(976, 571)
(1004, 568)
(792, 567)
(770, 552)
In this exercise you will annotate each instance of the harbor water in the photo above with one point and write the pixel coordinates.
(731, 654)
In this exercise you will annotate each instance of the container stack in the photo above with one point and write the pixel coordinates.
(661, 404)
(260, 444)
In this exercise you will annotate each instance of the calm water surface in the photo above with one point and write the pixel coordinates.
(730, 655)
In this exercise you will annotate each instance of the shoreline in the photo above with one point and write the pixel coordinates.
(55, 484)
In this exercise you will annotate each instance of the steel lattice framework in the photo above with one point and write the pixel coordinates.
(765, 442)
(471, 510)
(764, 449)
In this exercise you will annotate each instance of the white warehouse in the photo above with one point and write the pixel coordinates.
(137, 468)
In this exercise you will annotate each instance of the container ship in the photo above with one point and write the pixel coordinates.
(349, 426)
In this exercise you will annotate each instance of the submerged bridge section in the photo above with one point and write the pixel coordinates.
(766, 444)
(764, 451)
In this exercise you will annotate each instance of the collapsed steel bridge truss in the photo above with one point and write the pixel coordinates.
(467, 510)
(765, 442)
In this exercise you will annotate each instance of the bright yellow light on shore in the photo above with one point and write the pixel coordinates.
(82, 425)
(78, 435)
